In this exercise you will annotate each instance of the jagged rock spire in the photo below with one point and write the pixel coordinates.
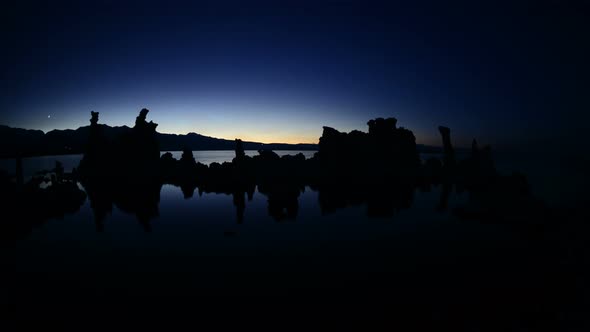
(94, 118)
(449, 158)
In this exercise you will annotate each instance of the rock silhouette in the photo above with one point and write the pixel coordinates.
(97, 152)
(127, 171)
(138, 152)
(383, 174)
(384, 152)
(29, 143)
(124, 171)
(25, 205)
(240, 154)
(449, 152)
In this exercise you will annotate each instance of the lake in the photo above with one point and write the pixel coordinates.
(35, 164)
(419, 261)
(559, 181)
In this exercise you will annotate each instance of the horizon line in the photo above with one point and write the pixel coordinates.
(166, 133)
(218, 137)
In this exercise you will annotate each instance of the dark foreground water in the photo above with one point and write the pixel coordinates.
(196, 263)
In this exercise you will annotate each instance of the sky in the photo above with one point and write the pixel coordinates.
(277, 71)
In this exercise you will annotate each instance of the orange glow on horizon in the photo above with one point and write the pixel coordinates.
(266, 139)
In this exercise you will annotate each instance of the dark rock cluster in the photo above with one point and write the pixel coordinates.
(134, 153)
(380, 168)
(24, 205)
(124, 170)
(385, 152)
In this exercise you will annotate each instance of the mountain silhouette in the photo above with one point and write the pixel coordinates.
(122, 167)
(24, 142)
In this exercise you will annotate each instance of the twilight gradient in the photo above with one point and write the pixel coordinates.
(278, 71)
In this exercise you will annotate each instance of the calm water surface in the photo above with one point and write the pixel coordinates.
(559, 181)
(35, 164)
(199, 240)
(196, 247)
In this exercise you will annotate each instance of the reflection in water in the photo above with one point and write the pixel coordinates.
(128, 172)
(339, 251)
(142, 200)
(61, 195)
(283, 200)
(382, 200)
(50, 194)
(139, 199)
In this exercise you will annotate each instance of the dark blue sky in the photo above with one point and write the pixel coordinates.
(512, 73)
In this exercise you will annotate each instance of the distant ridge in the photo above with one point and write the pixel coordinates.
(15, 141)
(27, 142)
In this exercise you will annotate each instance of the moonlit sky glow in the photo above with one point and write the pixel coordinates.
(279, 71)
